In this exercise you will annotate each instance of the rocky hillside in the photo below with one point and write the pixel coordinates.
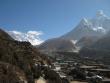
(11, 74)
(57, 44)
(87, 41)
(99, 50)
(18, 57)
(4, 35)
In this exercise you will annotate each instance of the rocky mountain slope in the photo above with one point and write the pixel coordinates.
(99, 49)
(103, 43)
(87, 41)
(11, 74)
(18, 57)
(57, 44)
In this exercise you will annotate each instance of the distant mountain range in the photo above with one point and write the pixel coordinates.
(29, 36)
(87, 32)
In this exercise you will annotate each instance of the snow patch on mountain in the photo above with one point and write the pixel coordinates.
(30, 36)
(101, 29)
(74, 41)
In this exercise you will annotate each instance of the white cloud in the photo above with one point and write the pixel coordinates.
(31, 36)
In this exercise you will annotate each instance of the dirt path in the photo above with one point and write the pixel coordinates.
(40, 80)
(78, 82)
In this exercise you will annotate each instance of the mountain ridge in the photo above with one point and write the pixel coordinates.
(95, 27)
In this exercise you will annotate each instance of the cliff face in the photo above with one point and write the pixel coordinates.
(22, 55)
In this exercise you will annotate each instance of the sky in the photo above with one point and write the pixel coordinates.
(51, 17)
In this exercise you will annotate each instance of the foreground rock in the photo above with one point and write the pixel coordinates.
(11, 74)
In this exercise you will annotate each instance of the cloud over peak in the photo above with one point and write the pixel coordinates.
(31, 36)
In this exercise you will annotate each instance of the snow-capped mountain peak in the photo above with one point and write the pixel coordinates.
(84, 34)
(84, 21)
(96, 26)
(30, 36)
(101, 16)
